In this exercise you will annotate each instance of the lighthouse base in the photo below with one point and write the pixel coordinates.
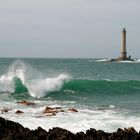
(119, 60)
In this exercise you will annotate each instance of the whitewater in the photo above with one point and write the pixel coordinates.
(106, 95)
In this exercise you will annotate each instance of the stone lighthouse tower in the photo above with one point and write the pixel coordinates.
(123, 49)
(123, 56)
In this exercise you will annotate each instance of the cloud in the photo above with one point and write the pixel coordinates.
(63, 23)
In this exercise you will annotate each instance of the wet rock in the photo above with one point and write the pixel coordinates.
(19, 112)
(92, 132)
(72, 110)
(130, 130)
(52, 110)
(60, 134)
(81, 136)
(5, 110)
(121, 132)
(14, 131)
(26, 103)
(51, 114)
(10, 130)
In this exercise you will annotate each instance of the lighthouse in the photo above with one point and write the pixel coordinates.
(123, 55)
(123, 49)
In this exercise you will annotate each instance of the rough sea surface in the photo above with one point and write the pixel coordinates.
(106, 95)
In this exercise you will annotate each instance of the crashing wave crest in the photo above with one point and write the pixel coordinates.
(17, 80)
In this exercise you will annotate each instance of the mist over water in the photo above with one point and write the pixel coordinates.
(106, 95)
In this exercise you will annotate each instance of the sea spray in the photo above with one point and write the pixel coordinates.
(21, 78)
(42, 87)
(16, 70)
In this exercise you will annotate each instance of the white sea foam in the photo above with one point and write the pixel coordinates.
(107, 120)
(17, 69)
(103, 60)
(126, 61)
(38, 87)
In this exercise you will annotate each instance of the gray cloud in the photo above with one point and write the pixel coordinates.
(68, 28)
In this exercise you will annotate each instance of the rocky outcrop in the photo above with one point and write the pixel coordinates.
(72, 110)
(14, 131)
(52, 110)
(5, 110)
(26, 103)
(19, 112)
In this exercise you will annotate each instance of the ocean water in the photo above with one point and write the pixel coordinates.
(106, 95)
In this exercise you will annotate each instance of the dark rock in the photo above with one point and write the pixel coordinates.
(130, 130)
(14, 131)
(81, 136)
(5, 110)
(26, 103)
(72, 110)
(59, 133)
(92, 132)
(52, 110)
(50, 114)
(19, 112)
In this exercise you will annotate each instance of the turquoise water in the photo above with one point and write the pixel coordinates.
(105, 94)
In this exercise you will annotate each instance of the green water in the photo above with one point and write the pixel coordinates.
(87, 83)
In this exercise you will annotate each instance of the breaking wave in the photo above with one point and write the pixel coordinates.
(18, 79)
(22, 78)
(43, 86)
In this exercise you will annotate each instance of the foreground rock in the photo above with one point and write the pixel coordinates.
(52, 110)
(26, 103)
(14, 131)
(72, 110)
(5, 110)
(19, 112)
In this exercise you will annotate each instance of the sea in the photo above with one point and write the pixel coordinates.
(106, 95)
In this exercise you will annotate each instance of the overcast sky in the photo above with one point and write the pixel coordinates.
(68, 28)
